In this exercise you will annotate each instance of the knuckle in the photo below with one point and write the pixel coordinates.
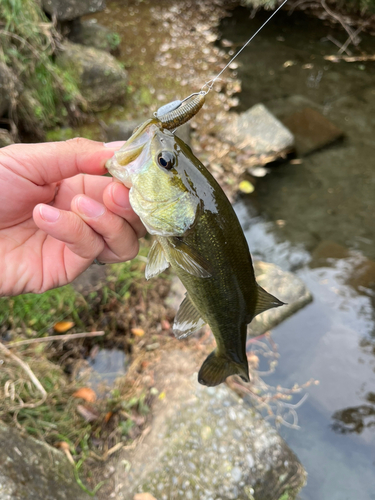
(76, 142)
(132, 249)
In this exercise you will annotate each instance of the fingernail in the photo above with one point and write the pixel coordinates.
(120, 195)
(114, 144)
(48, 213)
(89, 207)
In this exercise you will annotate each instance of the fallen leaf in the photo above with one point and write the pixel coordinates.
(139, 332)
(63, 445)
(87, 413)
(63, 326)
(165, 324)
(108, 416)
(143, 496)
(86, 394)
(246, 187)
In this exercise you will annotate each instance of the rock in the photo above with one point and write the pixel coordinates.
(184, 133)
(206, 443)
(30, 469)
(286, 287)
(311, 130)
(100, 77)
(65, 10)
(5, 138)
(121, 130)
(10, 87)
(259, 131)
(92, 34)
(359, 274)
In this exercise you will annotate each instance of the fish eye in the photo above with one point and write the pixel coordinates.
(166, 159)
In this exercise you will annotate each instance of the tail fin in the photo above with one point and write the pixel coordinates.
(216, 368)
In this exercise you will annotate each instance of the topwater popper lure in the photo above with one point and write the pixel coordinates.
(197, 233)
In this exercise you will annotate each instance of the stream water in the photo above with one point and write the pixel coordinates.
(317, 220)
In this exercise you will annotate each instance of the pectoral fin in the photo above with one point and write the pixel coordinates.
(156, 261)
(265, 301)
(187, 320)
(188, 258)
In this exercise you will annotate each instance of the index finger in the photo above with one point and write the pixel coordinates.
(50, 162)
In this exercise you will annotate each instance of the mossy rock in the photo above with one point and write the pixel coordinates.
(100, 78)
(92, 34)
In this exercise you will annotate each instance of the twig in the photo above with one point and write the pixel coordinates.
(337, 58)
(345, 45)
(343, 48)
(352, 35)
(31, 375)
(68, 336)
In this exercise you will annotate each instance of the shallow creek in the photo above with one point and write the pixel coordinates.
(315, 218)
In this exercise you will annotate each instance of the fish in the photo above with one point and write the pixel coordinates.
(197, 233)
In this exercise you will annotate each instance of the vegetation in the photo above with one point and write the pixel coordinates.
(359, 6)
(50, 406)
(41, 94)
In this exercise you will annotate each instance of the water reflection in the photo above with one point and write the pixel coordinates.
(357, 418)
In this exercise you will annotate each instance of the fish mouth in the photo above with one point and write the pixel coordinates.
(123, 163)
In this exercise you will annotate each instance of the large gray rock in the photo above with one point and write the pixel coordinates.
(92, 34)
(32, 470)
(100, 77)
(285, 286)
(66, 10)
(258, 131)
(206, 443)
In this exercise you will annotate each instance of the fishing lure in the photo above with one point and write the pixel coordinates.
(176, 113)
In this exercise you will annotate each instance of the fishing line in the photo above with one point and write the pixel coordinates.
(178, 112)
(210, 83)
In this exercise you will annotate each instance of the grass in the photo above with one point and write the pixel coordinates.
(28, 41)
(123, 301)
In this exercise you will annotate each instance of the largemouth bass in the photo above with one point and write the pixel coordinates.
(199, 236)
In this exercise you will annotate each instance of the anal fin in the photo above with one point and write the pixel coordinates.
(156, 261)
(265, 301)
(187, 320)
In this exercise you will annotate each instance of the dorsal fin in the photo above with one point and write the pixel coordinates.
(265, 301)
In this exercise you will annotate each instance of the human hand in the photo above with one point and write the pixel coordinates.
(54, 220)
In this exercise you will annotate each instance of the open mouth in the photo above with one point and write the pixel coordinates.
(120, 165)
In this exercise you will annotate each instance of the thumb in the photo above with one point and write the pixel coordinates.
(50, 162)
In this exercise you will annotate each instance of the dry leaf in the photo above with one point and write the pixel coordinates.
(108, 416)
(87, 413)
(165, 324)
(63, 326)
(143, 496)
(139, 332)
(246, 187)
(85, 393)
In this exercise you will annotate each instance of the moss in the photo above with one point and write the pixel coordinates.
(27, 40)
